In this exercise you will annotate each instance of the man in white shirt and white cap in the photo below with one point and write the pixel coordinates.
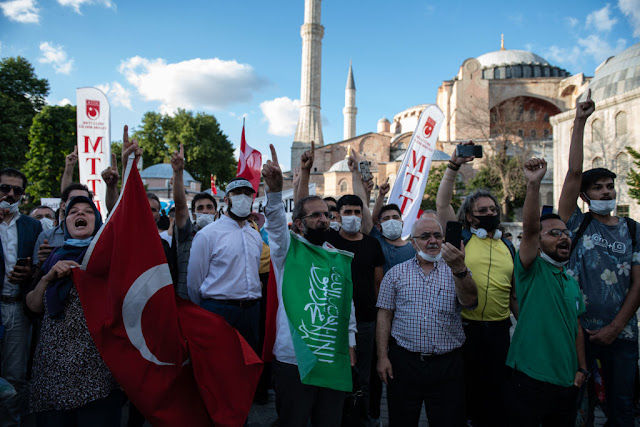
(223, 265)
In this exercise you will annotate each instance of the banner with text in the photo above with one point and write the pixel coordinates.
(94, 141)
(412, 177)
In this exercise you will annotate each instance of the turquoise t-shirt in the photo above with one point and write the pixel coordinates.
(544, 343)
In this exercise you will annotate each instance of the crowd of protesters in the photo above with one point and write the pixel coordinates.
(430, 319)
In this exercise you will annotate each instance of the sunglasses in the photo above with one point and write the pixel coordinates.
(6, 188)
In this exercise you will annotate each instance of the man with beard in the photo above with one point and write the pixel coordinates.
(18, 234)
(490, 259)
(547, 351)
(224, 262)
(605, 260)
(298, 403)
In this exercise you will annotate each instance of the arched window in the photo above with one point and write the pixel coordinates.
(597, 131)
(546, 117)
(598, 162)
(520, 133)
(546, 133)
(621, 124)
(622, 164)
(532, 115)
(533, 134)
(344, 187)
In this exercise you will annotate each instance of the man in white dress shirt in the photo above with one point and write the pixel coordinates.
(223, 265)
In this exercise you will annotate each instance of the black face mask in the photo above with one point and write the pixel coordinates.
(489, 222)
(314, 236)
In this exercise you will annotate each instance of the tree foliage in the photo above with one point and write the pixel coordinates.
(52, 136)
(488, 178)
(207, 150)
(633, 179)
(431, 189)
(22, 96)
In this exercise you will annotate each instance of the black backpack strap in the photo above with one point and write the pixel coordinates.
(631, 226)
(509, 245)
(466, 236)
(583, 226)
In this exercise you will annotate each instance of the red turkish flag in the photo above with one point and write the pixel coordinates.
(214, 190)
(249, 164)
(161, 352)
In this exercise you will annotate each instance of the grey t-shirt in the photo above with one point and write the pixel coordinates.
(393, 254)
(601, 262)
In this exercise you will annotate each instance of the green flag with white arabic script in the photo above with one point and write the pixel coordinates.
(316, 294)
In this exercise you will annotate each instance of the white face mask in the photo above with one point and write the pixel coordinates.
(601, 207)
(334, 225)
(351, 224)
(552, 261)
(47, 223)
(391, 229)
(203, 219)
(431, 258)
(241, 205)
(13, 207)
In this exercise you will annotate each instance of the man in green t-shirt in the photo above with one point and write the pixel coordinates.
(547, 350)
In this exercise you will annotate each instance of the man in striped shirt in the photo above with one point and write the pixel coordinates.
(419, 357)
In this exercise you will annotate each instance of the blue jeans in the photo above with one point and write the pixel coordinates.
(619, 368)
(246, 319)
(14, 355)
(8, 415)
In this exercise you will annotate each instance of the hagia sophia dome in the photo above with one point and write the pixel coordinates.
(511, 63)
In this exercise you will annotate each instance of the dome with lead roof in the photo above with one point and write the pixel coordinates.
(512, 63)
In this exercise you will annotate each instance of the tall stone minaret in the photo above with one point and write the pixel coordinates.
(309, 123)
(350, 109)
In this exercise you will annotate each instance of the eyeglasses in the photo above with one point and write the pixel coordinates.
(427, 236)
(6, 188)
(485, 210)
(317, 214)
(556, 232)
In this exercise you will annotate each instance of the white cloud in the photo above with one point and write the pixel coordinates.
(56, 56)
(75, 4)
(601, 49)
(196, 83)
(24, 11)
(282, 115)
(562, 55)
(631, 9)
(64, 101)
(572, 21)
(117, 94)
(601, 19)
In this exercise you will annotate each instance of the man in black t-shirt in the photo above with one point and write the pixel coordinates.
(366, 274)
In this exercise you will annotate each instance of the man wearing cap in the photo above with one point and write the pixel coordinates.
(224, 262)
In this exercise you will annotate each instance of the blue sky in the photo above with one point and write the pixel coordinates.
(242, 59)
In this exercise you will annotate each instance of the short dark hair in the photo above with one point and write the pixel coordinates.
(74, 186)
(330, 199)
(200, 196)
(154, 197)
(351, 200)
(390, 207)
(467, 205)
(41, 207)
(549, 216)
(298, 209)
(14, 173)
(592, 175)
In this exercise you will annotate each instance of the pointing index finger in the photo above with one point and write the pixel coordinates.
(125, 135)
(313, 147)
(274, 156)
(75, 150)
(181, 150)
(114, 160)
(589, 96)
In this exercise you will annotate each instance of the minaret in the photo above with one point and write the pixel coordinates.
(309, 123)
(350, 109)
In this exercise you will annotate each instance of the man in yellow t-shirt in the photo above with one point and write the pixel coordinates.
(489, 257)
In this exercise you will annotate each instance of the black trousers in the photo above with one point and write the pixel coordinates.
(298, 403)
(436, 381)
(533, 403)
(485, 353)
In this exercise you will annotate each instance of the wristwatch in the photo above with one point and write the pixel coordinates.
(462, 274)
(584, 371)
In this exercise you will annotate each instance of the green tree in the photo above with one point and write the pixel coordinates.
(52, 136)
(431, 189)
(207, 149)
(633, 179)
(488, 178)
(22, 96)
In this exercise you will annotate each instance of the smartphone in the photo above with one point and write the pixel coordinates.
(365, 170)
(22, 262)
(469, 150)
(547, 209)
(453, 233)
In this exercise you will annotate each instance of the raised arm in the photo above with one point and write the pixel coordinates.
(70, 163)
(129, 147)
(110, 176)
(571, 186)
(534, 170)
(382, 192)
(361, 189)
(179, 196)
(306, 163)
(445, 190)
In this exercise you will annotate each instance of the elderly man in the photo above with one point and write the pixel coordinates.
(419, 357)
(547, 351)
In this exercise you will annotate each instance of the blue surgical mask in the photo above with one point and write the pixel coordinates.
(601, 207)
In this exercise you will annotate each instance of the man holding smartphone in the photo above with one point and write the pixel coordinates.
(489, 256)
(18, 234)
